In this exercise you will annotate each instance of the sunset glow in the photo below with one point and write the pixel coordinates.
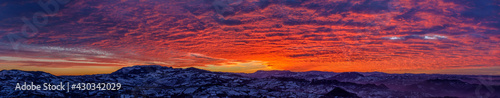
(393, 36)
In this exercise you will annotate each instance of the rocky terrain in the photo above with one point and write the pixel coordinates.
(158, 81)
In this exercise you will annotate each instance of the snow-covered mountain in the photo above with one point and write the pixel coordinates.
(158, 81)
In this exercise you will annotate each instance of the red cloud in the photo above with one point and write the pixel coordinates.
(362, 35)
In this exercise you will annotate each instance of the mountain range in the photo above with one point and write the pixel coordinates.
(159, 81)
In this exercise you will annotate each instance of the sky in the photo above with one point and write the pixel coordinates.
(79, 37)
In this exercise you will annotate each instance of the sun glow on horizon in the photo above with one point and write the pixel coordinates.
(394, 36)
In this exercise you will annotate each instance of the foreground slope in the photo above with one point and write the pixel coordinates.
(158, 81)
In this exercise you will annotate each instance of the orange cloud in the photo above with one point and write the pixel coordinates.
(297, 35)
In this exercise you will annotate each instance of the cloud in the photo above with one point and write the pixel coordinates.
(426, 37)
(298, 35)
(57, 56)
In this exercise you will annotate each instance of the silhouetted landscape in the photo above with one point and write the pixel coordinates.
(158, 81)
